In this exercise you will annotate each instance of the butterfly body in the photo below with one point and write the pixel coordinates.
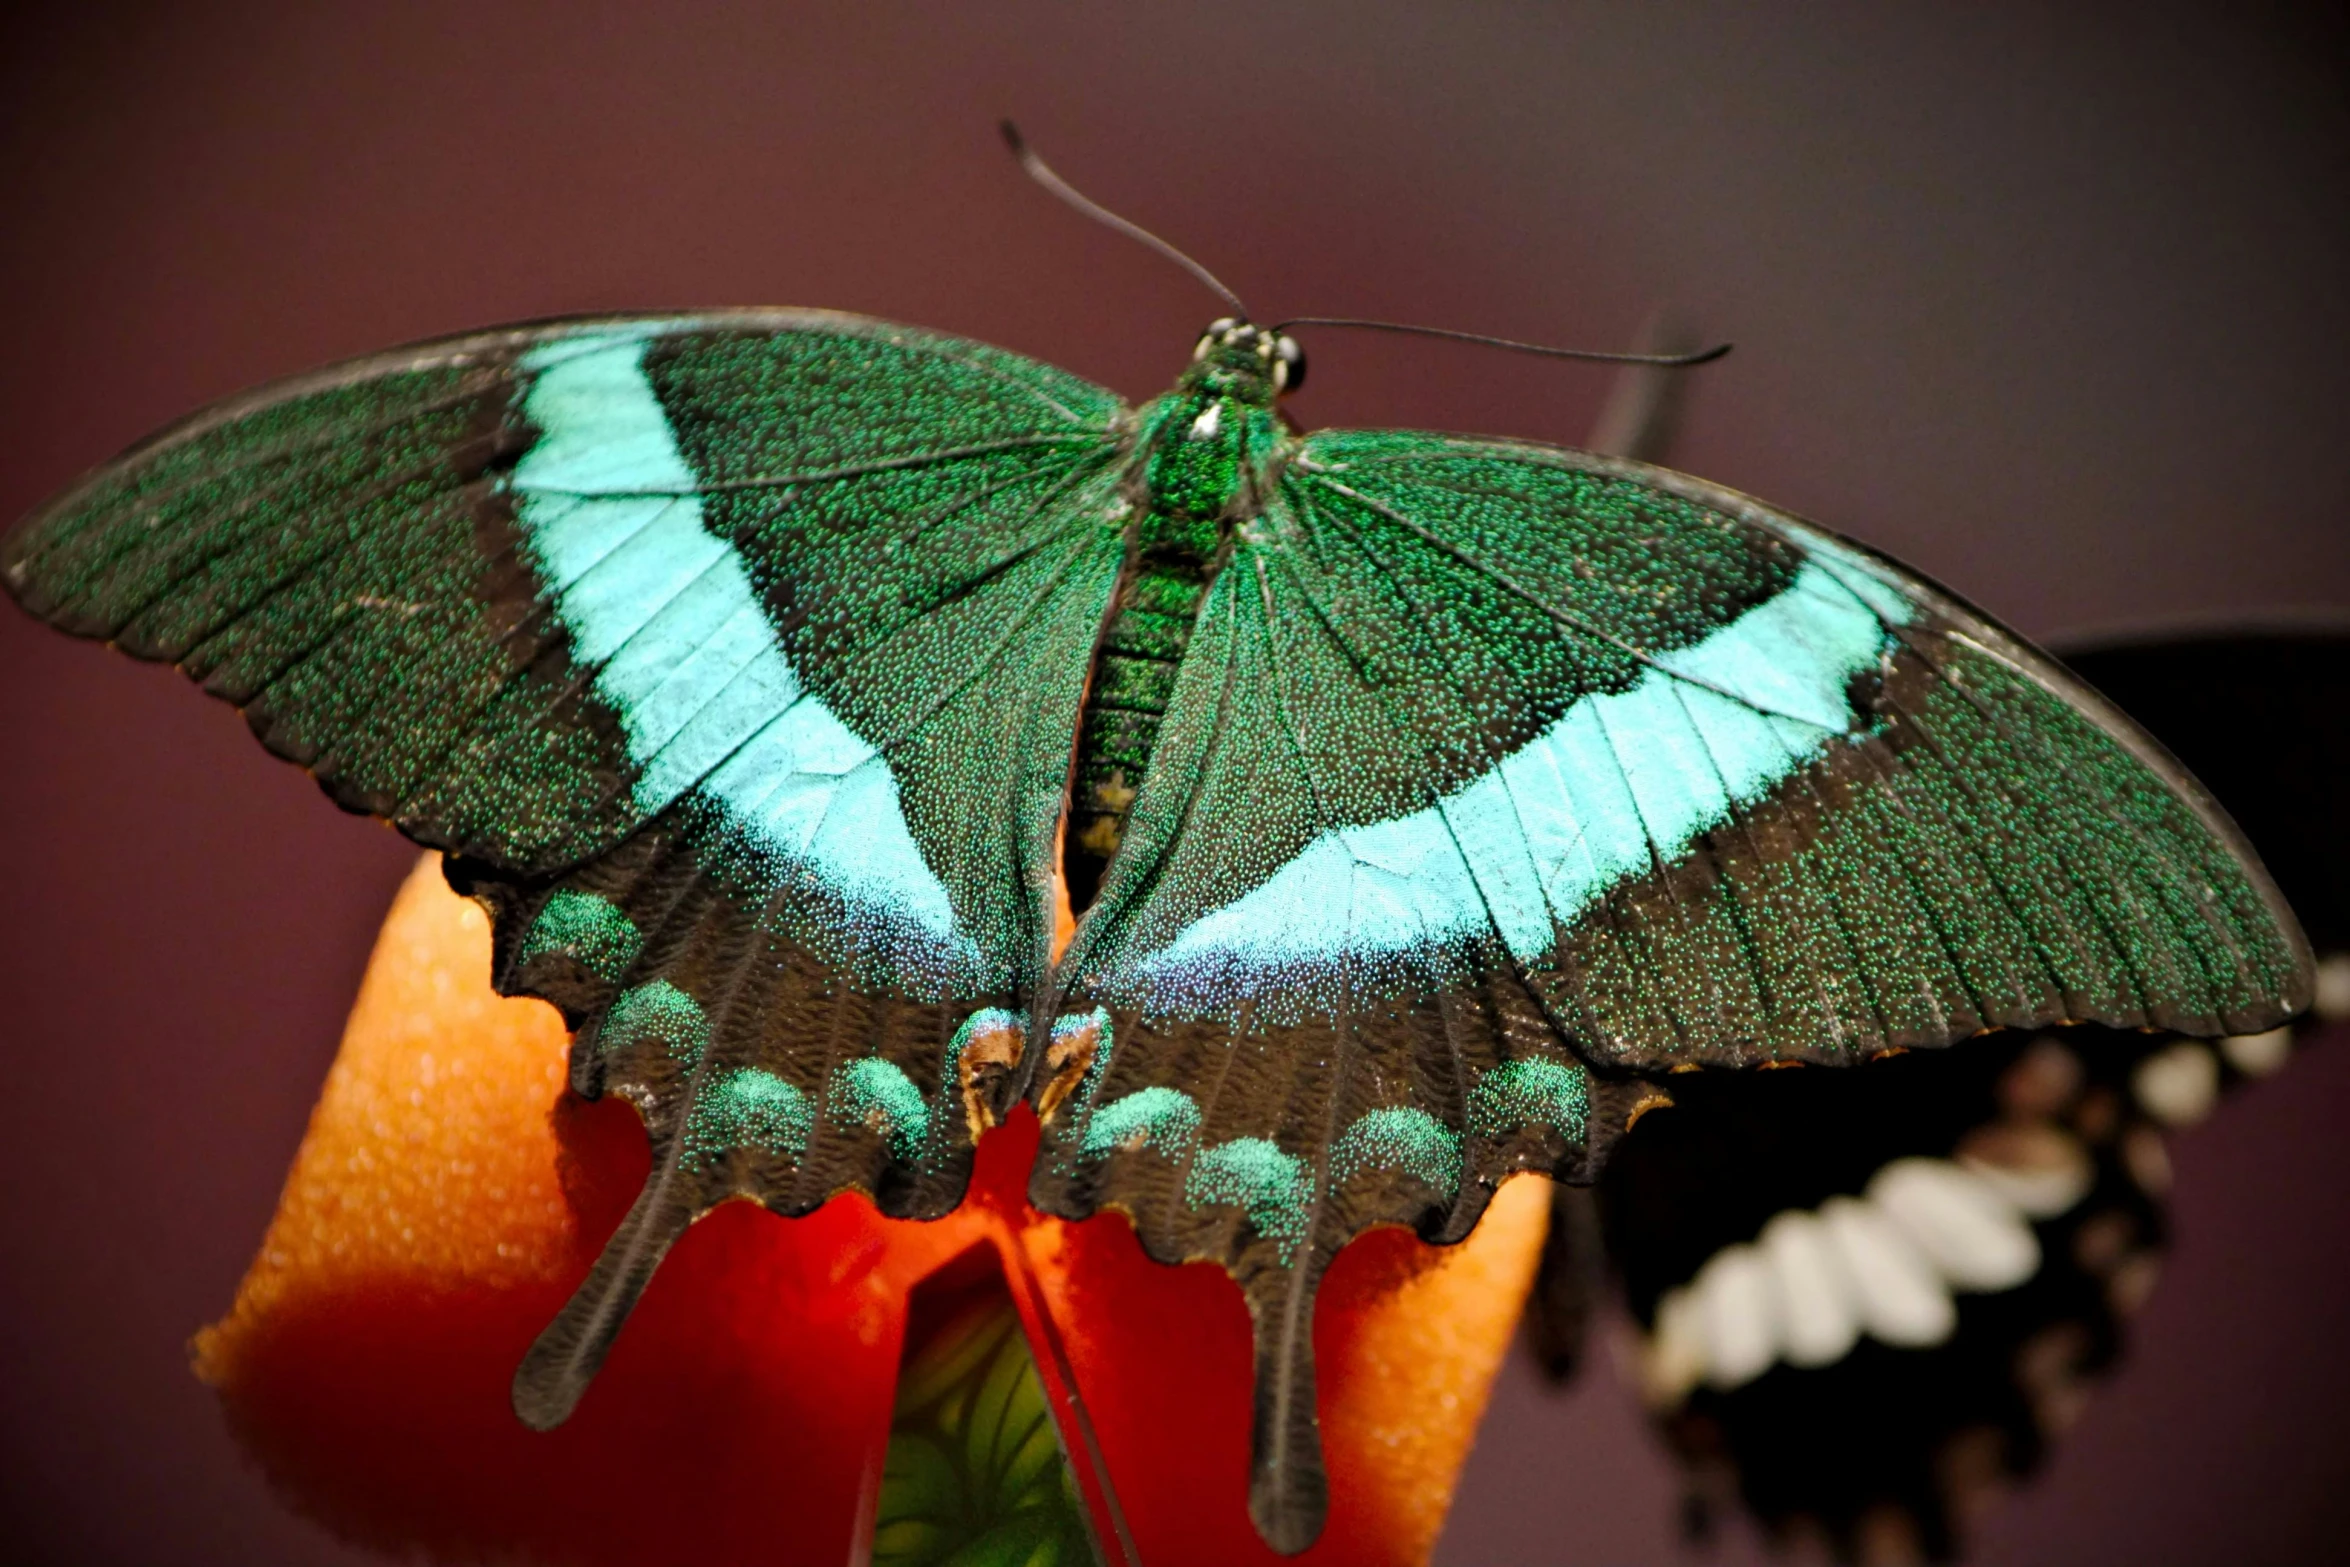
(859, 731)
(1205, 458)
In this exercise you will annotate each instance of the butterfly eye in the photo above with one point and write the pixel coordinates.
(1289, 365)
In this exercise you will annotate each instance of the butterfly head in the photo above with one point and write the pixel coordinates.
(1243, 360)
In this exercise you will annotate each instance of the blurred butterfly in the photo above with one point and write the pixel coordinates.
(860, 732)
(1942, 1250)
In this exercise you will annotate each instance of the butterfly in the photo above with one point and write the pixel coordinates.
(1944, 1251)
(860, 732)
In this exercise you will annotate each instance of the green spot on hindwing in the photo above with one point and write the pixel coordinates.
(587, 928)
(878, 1095)
(1154, 1117)
(1253, 1173)
(657, 595)
(749, 1108)
(1531, 1091)
(1400, 1138)
(657, 1011)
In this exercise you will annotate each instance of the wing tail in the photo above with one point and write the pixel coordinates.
(555, 1373)
(1288, 1489)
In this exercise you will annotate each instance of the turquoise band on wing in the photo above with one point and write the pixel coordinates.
(689, 660)
(1618, 782)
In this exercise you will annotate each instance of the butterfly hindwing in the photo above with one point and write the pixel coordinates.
(1267, 1144)
(760, 1067)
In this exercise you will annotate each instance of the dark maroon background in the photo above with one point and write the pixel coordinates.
(2054, 302)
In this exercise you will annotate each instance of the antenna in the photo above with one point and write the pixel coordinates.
(1041, 172)
(1660, 361)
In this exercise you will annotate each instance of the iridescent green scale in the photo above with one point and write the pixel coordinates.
(859, 732)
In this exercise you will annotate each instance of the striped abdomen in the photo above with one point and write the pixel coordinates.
(1133, 676)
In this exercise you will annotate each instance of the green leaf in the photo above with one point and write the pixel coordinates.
(975, 1476)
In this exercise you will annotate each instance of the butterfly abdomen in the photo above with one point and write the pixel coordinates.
(1133, 678)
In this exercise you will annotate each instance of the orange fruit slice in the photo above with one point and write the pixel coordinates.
(450, 1193)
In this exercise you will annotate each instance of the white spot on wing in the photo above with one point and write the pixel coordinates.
(1901, 1297)
(1818, 1315)
(2257, 1055)
(1739, 1322)
(2332, 1001)
(1673, 1359)
(1972, 1235)
(2177, 1086)
(1884, 1264)
(2041, 1170)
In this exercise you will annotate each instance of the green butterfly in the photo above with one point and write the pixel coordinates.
(859, 732)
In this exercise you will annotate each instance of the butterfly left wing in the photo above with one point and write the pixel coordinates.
(1497, 772)
(733, 657)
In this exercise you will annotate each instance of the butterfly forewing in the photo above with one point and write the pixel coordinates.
(1722, 787)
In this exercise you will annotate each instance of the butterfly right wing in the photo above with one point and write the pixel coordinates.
(1852, 814)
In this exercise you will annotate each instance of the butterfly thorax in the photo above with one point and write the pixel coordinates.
(1201, 463)
(1204, 457)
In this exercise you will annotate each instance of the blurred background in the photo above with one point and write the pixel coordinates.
(2050, 301)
